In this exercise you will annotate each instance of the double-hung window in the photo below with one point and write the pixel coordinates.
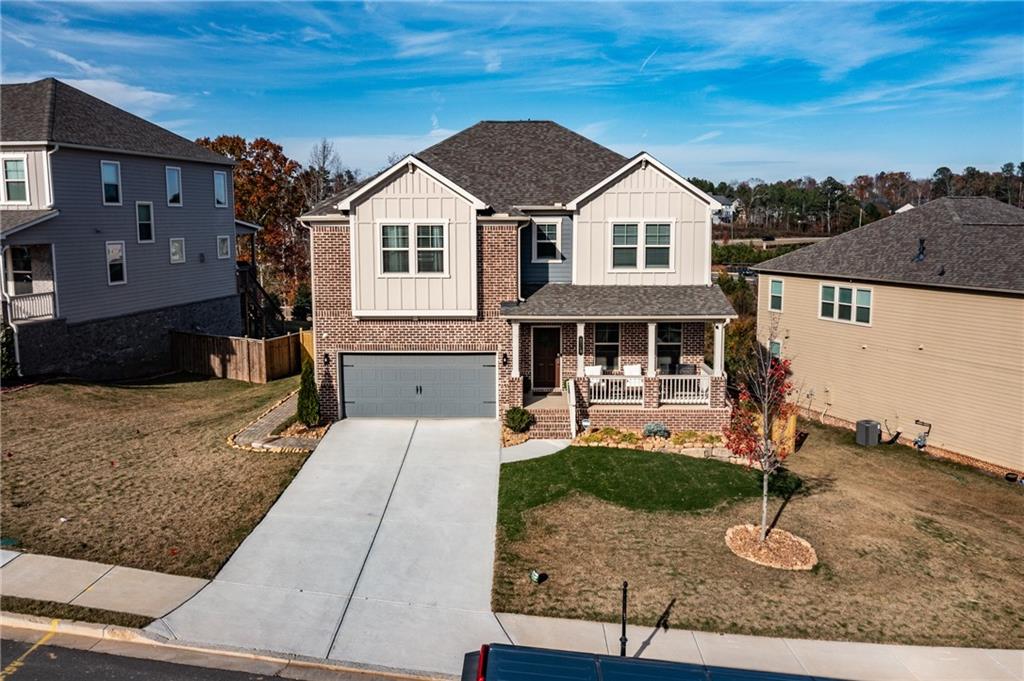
(624, 246)
(394, 244)
(606, 345)
(220, 189)
(657, 245)
(669, 347)
(429, 249)
(110, 173)
(15, 184)
(641, 245)
(172, 176)
(845, 304)
(144, 221)
(545, 241)
(775, 295)
(116, 272)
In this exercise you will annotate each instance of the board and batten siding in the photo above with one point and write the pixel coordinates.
(79, 235)
(37, 169)
(537, 274)
(646, 193)
(412, 196)
(952, 359)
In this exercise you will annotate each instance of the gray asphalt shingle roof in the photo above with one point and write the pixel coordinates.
(619, 301)
(514, 163)
(969, 242)
(12, 220)
(54, 112)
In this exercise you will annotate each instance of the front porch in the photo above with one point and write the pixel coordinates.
(29, 293)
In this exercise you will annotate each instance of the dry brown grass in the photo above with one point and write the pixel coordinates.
(911, 551)
(142, 472)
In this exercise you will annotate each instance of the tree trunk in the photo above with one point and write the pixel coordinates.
(764, 506)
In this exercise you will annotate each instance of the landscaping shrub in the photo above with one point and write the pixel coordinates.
(8, 365)
(518, 420)
(308, 409)
(656, 430)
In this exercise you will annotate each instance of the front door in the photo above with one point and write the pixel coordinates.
(546, 343)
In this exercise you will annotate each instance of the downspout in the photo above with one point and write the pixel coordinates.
(7, 303)
(519, 261)
(49, 175)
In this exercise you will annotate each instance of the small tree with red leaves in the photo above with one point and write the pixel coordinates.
(763, 401)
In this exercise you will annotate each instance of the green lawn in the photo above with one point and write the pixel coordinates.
(638, 480)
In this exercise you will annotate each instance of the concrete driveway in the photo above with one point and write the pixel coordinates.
(380, 552)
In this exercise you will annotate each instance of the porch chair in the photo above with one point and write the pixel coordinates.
(634, 375)
(593, 372)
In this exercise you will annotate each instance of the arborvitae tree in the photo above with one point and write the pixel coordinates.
(308, 409)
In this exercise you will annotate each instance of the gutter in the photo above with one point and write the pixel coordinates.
(112, 150)
(618, 318)
(893, 282)
(49, 175)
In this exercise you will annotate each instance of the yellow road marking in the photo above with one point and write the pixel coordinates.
(14, 666)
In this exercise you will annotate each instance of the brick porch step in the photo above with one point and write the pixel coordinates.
(550, 424)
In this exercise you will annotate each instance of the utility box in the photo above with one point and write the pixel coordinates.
(869, 433)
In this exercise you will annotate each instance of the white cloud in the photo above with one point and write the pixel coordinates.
(648, 59)
(705, 137)
(492, 61)
(309, 34)
(139, 100)
(82, 66)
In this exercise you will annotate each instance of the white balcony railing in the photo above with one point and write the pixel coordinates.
(31, 306)
(691, 389)
(616, 390)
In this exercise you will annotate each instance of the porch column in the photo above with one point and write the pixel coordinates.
(580, 326)
(719, 358)
(652, 356)
(515, 349)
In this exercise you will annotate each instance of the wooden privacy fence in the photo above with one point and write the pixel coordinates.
(254, 360)
(306, 340)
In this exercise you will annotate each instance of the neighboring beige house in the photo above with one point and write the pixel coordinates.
(917, 317)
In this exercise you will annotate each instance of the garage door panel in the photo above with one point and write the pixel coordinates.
(450, 385)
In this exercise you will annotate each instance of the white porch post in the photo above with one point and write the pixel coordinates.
(719, 358)
(515, 349)
(652, 355)
(580, 326)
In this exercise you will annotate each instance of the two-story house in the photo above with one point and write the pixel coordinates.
(114, 231)
(915, 321)
(519, 263)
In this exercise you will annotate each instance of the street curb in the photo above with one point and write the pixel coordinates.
(155, 647)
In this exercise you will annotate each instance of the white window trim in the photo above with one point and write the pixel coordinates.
(641, 238)
(226, 238)
(227, 193)
(152, 222)
(124, 263)
(181, 187)
(853, 305)
(557, 222)
(170, 253)
(618, 345)
(3, 180)
(782, 295)
(413, 261)
(120, 185)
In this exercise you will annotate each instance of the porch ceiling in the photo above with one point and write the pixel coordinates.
(572, 302)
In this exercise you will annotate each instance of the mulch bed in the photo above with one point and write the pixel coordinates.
(511, 439)
(780, 549)
(299, 429)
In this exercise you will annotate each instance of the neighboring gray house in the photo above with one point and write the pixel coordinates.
(727, 213)
(114, 232)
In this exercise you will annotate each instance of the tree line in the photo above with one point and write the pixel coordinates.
(806, 205)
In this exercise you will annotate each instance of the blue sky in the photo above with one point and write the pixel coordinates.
(725, 91)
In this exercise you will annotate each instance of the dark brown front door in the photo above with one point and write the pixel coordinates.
(546, 342)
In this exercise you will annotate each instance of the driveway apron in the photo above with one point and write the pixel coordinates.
(379, 552)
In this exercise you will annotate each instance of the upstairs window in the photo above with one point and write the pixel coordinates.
(220, 189)
(624, 246)
(110, 172)
(429, 249)
(394, 246)
(775, 295)
(144, 221)
(15, 182)
(173, 177)
(606, 345)
(845, 304)
(657, 245)
(545, 241)
(116, 272)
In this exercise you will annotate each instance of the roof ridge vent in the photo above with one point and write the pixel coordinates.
(920, 250)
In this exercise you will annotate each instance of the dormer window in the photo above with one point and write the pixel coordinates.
(546, 241)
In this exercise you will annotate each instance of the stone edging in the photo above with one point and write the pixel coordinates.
(266, 448)
(155, 647)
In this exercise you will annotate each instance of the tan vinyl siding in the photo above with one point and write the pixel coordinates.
(409, 197)
(38, 177)
(952, 359)
(643, 194)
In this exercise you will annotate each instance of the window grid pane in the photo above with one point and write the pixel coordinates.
(845, 295)
(14, 169)
(656, 256)
(845, 312)
(828, 293)
(776, 302)
(396, 261)
(776, 288)
(547, 233)
(864, 315)
(173, 186)
(624, 257)
(670, 333)
(429, 236)
(863, 297)
(16, 190)
(430, 261)
(828, 309)
(624, 235)
(395, 236)
(657, 235)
